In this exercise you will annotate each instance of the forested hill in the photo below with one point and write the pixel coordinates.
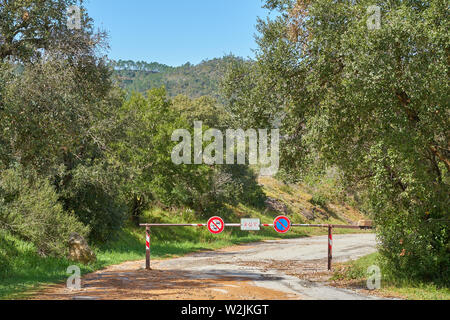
(191, 80)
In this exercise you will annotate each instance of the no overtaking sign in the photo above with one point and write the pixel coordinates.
(215, 225)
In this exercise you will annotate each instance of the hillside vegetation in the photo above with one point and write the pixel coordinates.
(190, 80)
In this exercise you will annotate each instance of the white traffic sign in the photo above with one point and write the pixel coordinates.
(250, 224)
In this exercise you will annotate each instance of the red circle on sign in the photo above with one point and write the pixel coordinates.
(282, 224)
(216, 225)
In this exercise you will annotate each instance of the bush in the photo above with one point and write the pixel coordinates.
(241, 186)
(92, 194)
(29, 208)
(415, 248)
(5, 253)
(319, 199)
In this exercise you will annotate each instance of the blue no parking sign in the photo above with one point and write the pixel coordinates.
(282, 224)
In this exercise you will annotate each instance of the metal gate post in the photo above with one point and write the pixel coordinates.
(147, 247)
(330, 246)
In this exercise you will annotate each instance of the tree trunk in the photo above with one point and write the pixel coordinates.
(136, 210)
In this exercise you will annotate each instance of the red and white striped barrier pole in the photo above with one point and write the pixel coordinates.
(147, 248)
(329, 226)
(330, 246)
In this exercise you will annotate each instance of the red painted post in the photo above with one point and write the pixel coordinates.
(147, 248)
(330, 246)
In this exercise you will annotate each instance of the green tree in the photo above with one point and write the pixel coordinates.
(205, 109)
(28, 28)
(59, 108)
(372, 102)
(144, 154)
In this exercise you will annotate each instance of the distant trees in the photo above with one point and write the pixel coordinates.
(190, 80)
(374, 103)
(130, 65)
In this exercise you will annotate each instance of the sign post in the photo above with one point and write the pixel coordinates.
(330, 246)
(147, 248)
(216, 225)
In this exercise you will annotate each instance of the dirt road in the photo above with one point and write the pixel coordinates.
(284, 269)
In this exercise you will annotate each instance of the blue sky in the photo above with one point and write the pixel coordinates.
(174, 32)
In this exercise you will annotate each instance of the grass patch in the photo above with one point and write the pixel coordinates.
(354, 274)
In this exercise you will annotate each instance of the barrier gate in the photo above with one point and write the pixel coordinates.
(216, 225)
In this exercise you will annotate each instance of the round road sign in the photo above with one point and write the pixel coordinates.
(282, 224)
(216, 225)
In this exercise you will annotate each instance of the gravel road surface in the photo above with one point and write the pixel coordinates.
(275, 269)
